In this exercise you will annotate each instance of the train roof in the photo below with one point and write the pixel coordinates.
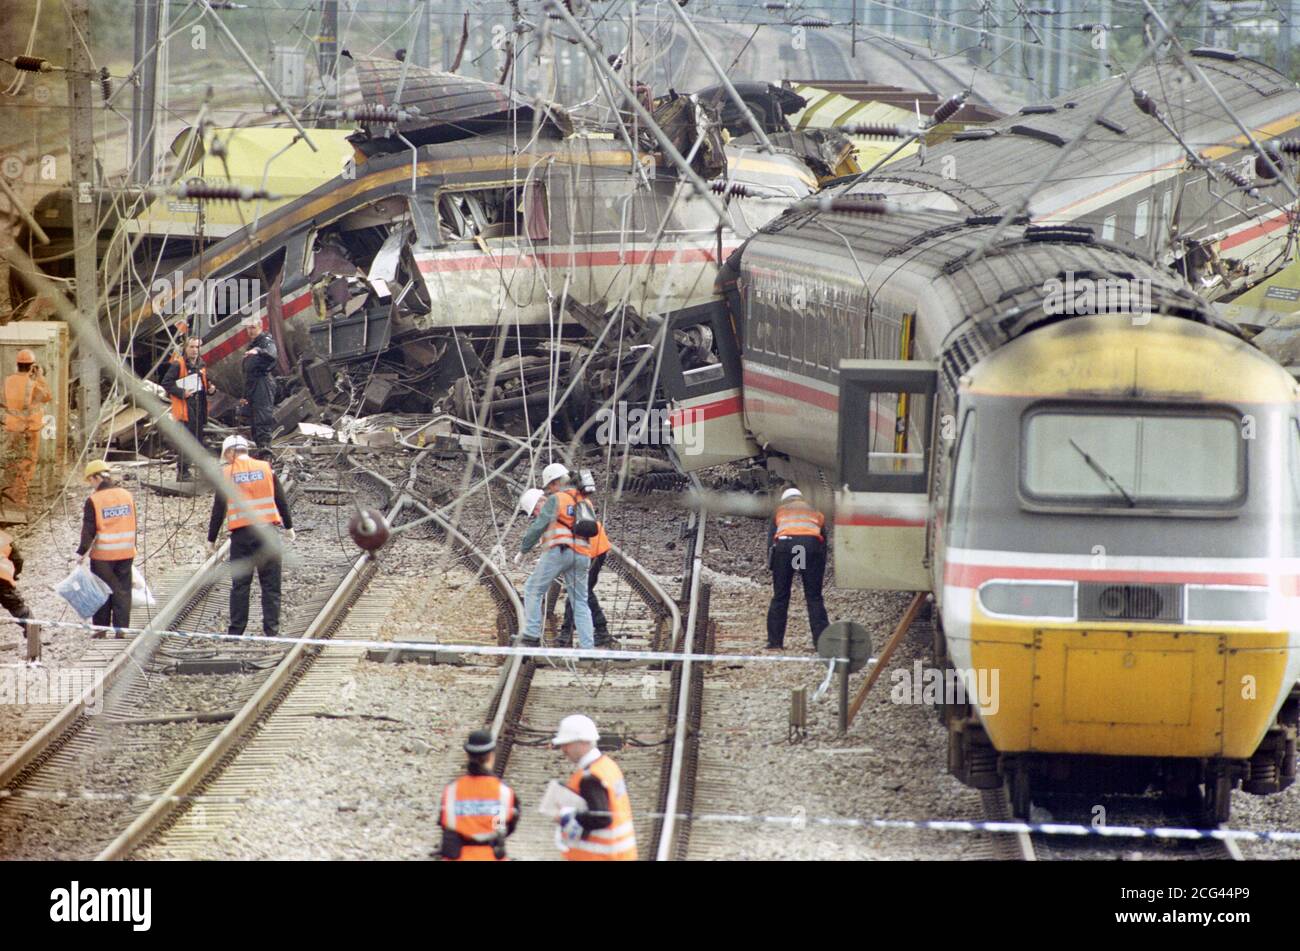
(1164, 358)
(998, 290)
(972, 168)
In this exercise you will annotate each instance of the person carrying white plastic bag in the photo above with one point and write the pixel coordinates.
(141, 596)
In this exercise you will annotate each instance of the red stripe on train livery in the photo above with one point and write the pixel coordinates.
(862, 519)
(972, 576)
(789, 388)
(481, 262)
(1267, 226)
(728, 406)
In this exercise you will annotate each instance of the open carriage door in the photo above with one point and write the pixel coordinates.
(702, 379)
(886, 423)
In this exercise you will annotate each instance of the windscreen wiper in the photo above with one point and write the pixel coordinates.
(1105, 476)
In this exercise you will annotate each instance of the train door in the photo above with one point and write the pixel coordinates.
(885, 448)
(702, 380)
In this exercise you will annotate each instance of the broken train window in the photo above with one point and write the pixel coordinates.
(505, 212)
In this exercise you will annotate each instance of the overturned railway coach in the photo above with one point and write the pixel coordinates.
(473, 237)
(1102, 494)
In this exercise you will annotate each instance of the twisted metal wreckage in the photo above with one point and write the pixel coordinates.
(473, 250)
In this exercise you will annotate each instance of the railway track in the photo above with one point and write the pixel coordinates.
(174, 713)
(648, 712)
(1127, 811)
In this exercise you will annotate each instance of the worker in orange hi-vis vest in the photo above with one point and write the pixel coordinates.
(796, 541)
(478, 809)
(108, 536)
(25, 394)
(186, 383)
(597, 548)
(601, 830)
(260, 501)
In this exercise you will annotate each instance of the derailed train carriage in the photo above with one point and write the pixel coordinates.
(476, 218)
(1096, 477)
(1133, 181)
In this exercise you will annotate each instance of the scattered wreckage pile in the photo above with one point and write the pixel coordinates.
(483, 262)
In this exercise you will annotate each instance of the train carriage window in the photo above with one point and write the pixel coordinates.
(1166, 204)
(1108, 228)
(512, 211)
(537, 215)
(1125, 459)
(1142, 219)
(963, 482)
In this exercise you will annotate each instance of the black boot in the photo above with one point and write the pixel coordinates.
(603, 638)
(564, 638)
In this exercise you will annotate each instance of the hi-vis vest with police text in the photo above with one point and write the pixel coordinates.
(616, 842)
(477, 808)
(180, 407)
(114, 525)
(797, 517)
(561, 529)
(256, 485)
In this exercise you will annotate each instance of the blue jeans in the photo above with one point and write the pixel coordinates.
(559, 562)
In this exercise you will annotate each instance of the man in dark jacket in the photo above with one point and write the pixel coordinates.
(259, 388)
(189, 400)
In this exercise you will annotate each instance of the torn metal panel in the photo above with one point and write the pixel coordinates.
(447, 106)
(352, 338)
(769, 103)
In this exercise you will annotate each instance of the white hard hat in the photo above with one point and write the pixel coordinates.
(556, 470)
(576, 728)
(233, 442)
(528, 501)
(791, 494)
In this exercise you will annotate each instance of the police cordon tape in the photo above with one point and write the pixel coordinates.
(488, 650)
(796, 822)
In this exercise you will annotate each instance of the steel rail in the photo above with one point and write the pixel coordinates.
(142, 647)
(267, 697)
(496, 578)
(667, 831)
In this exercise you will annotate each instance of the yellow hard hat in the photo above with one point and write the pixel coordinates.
(26, 356)
(95, 467)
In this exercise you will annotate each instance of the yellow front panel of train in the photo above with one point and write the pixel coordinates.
(1128, 693)
(1131, 692)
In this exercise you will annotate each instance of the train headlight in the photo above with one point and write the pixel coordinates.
(1226, 603)
(1042, 599)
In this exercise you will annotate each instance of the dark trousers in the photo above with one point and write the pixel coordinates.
(247, 554)
(262, 411)
(598, 622)
(13, 602)
(806, 555)
(116, 611)
(182, 461)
